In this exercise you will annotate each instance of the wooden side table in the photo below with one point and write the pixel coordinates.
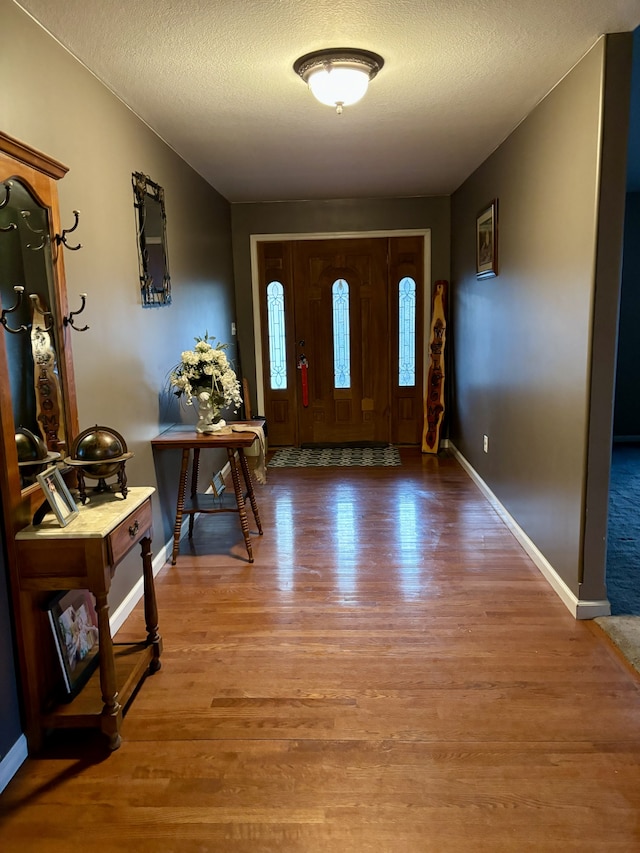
(185, 438)
(85, 555)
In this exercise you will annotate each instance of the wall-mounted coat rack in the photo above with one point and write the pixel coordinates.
(69, 321)
(62, 238)
(19, 290)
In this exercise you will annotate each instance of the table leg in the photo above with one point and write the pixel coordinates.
(194, 485)
(112, 711)
(150, 605)
(242, 509)
(182, 487)
(246, 473)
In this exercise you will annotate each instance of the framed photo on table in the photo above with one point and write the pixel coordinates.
(487, 241)
(58, 495)
(74, 625)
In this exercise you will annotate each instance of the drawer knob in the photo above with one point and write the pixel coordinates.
(134, 528)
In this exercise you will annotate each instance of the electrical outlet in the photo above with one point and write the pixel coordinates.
(485, 443)
(233, 329)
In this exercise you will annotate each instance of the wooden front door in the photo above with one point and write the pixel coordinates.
(330, 320)
(341, 317)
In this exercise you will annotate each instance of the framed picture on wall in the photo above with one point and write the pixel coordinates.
(487, 241)
(74, 625)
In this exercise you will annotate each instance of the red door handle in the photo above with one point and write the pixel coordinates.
(303, 367)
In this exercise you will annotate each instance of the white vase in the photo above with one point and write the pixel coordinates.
(209, 420)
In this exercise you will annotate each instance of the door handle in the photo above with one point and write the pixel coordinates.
(303, 367)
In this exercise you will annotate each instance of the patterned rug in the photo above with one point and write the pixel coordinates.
(344, 457)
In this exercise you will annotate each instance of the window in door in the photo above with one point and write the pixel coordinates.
(407, 332)
(341, 334)
(277, 340)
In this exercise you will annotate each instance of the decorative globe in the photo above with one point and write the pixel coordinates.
(33, 456)
(99, 452)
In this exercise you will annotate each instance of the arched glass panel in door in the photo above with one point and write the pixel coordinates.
(341, 334)
(407, 332)
(277, 339)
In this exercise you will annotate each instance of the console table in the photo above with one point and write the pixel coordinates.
(184, 437)
(85, 555)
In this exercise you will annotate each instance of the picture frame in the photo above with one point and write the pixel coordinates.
(74, 625)
(487, 241)
(58, 495)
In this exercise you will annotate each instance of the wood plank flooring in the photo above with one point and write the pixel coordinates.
(391, 675)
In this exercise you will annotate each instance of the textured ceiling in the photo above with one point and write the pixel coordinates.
(214, 79)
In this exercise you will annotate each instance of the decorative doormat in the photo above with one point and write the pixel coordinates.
(343, 457)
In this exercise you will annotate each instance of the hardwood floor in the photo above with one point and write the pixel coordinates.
(391, 675)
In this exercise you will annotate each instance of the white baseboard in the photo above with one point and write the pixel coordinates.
(120, 615)
(579, 609)
(12, 762)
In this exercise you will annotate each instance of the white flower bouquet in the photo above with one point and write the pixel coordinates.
(206, 374)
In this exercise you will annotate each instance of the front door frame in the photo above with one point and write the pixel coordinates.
(425, 233)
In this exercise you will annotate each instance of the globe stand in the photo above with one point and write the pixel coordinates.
(102, 485)
(98, 453)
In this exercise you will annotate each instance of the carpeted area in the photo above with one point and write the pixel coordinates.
(624, 632)
(343, 457)
(623, 534)
(623, 553)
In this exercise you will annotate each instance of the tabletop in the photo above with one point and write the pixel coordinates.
(96, 519)
(186, 437)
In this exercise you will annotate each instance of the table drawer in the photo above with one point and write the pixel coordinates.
(123, 537)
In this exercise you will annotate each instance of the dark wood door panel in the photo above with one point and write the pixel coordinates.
(360, 411)
(373, 407)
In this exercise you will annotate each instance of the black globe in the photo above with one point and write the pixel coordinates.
(101, 449)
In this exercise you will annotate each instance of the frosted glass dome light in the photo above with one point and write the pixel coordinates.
(338, 77)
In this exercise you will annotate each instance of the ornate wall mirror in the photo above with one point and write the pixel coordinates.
(37, 387)
(27, 294)
(151, 220)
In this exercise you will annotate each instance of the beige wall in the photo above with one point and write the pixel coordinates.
(332, 216)
(52, 103)
(522, 342)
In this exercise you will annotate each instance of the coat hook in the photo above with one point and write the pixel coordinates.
(35, 299)
(8, 185)
(68, 321)
(40, 231)
(5, 201)
(62, 238)
(3, 318)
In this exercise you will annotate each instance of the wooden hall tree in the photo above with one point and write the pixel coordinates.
(24, 167)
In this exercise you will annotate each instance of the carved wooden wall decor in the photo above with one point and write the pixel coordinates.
(434, 403)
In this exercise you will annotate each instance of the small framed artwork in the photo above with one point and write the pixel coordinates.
(487, 241)
(58, 495)
(74, 625)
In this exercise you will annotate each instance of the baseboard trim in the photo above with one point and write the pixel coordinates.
(579, 609)
(121, 614)
(124, 610)
(12, 761)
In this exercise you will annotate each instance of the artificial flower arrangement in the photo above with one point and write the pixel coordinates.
(205, 374)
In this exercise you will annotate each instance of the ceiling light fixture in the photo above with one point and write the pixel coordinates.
(338, 76)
